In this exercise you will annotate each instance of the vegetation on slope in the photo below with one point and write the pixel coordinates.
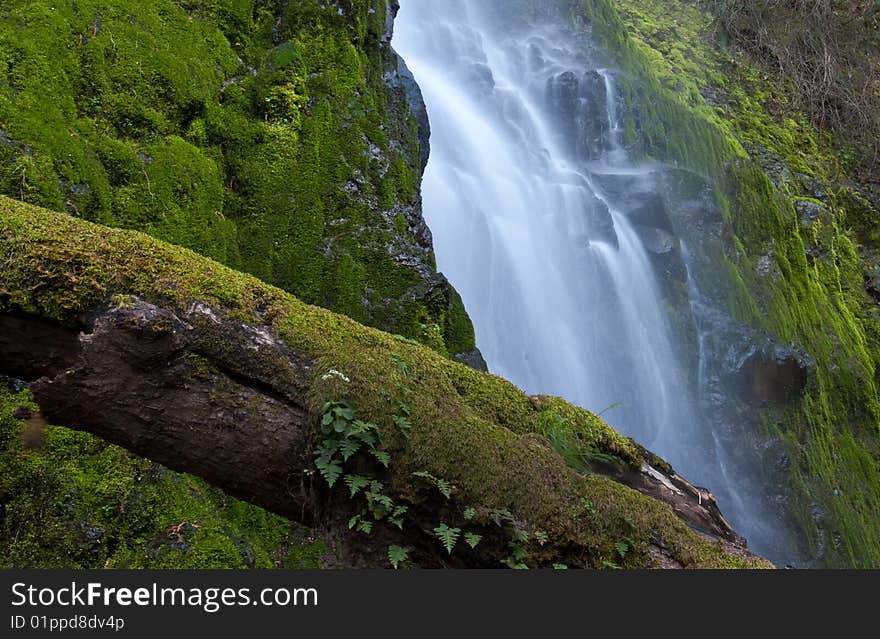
(260, 133)
(826, 54)
(793, 257)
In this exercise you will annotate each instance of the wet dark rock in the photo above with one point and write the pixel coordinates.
(650, 212)
(22, 412)
(474, 359)
(772, 375)
(594, 117)
(392, 7)
(810, 212)
(579, 103)
(398, 76)
(657, 241)
(601, 224)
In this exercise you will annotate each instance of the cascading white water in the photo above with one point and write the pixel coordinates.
(554, 236)
(553, 273)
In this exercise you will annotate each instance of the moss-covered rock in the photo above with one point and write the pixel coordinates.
(273, 137)
(799, 278)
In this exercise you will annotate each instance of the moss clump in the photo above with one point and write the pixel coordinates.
(473, 429)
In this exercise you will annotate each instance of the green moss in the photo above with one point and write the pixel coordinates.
(474, 429)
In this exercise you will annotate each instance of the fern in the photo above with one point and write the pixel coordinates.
(517, 557)
(356, 483)
(469, 513)
(361, 524)
(401, 364)
(542, 537)
(382, 457)
(328, 449)
(330, 470)
(499, 515)
(588, 506)
(396, 518)
(397, 555)
(560, 566)
(449, 536)
(403, 423)
(472, 539)
(445, 488)
(349, 448)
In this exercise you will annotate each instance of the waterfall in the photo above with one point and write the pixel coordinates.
(546, 226)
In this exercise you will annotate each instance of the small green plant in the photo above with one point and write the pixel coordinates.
(623, 547)
(401, 364)
(472, 539)
(403, 424)
(470, 513)
(344, 437)
(356, 483)
(517, 558)
(577, 452)
(396, 517)
(588, 507)
(397, 555)
(442, 485)
(361, 524)
(448, 536)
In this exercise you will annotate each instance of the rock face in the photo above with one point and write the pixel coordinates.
(579, 101)
(292, 147)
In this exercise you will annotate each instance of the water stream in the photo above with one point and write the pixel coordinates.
(542, 222)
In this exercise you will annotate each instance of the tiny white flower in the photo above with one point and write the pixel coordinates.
(335, 374)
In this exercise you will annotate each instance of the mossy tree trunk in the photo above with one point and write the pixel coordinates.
(212, 372)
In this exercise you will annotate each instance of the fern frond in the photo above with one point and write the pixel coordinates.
(397, 555)
(349, 448)
(449, 536)
(382, 457)
(356, 483)
(472, 539)
(330, 470)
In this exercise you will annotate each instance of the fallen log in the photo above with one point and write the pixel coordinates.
(212, 372)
